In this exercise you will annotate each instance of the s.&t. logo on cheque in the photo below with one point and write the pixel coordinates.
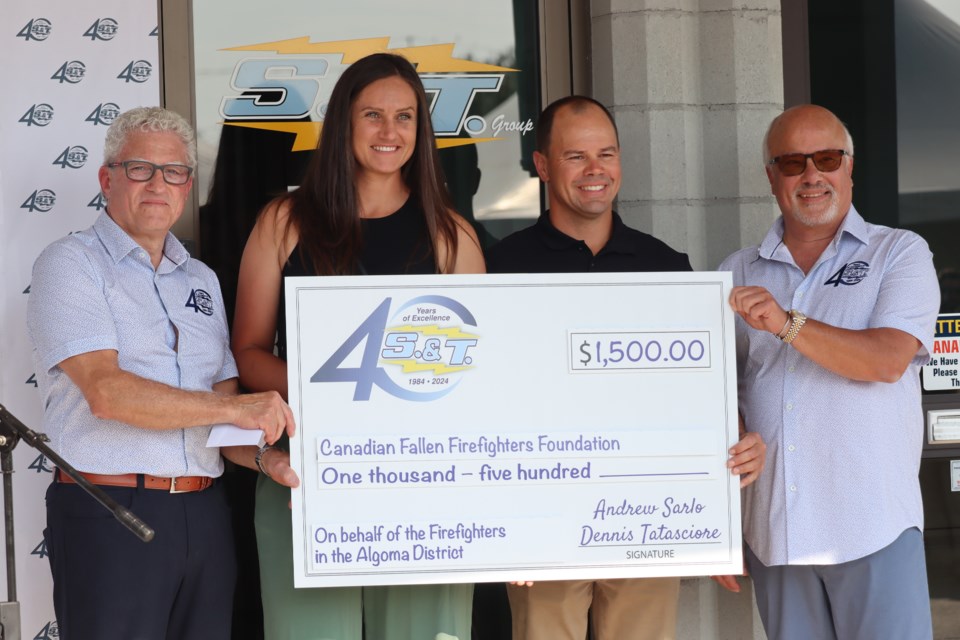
(422, 355)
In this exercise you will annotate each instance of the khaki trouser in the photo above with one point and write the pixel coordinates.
(629, 609)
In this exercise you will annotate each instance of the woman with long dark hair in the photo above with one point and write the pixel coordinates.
(373, 201)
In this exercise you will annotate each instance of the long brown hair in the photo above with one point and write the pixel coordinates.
(325, 209)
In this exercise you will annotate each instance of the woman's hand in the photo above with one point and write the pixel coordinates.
(276, 464)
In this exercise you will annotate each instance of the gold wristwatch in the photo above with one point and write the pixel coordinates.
(796, 321)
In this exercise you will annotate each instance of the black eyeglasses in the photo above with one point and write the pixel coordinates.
(142, 171)
(793, 164)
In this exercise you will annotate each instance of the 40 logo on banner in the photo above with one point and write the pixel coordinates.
(102, 29)
(36, 29)
(73, 157)
(421, 357)
(138, 71)
(40, 200)
(38, 115)
(71, 71)
(104, 113)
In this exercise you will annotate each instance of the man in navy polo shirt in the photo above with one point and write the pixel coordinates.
(578, 158)
(833, 527)
(134, 365)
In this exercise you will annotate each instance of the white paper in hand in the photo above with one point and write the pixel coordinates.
(228, 435)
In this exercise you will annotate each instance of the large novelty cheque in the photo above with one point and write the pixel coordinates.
(495, 428)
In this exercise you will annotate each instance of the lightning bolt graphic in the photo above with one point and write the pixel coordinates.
(412, 366)
(438, 368)
(432, 330)
(429, 58)
(308, 134)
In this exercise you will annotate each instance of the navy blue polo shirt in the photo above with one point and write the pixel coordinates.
(542, 248)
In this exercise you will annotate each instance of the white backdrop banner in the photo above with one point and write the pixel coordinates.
(75, 65)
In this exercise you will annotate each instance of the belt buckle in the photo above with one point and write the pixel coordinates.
(173, 487)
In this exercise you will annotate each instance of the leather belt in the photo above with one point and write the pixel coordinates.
(183, 484)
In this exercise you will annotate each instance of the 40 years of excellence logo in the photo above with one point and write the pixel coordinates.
(422, 355)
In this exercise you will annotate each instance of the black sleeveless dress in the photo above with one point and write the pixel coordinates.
(392, 245)
(395, 244)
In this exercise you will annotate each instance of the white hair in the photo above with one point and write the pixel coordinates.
(148, 120)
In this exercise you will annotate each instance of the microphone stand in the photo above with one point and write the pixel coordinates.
(11, 431)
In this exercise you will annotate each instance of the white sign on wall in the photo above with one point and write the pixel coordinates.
(942, 371)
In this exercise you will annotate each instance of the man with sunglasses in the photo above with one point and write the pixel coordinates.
(134, 365)
(836, 316)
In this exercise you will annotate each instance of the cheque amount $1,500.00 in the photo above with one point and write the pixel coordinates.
(598, 351)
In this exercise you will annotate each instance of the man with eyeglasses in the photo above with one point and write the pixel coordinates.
(836, 316)
(134, 366)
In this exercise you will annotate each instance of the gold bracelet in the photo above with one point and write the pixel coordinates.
(797, 321)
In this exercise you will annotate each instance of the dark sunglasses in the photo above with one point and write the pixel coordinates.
(793, 164)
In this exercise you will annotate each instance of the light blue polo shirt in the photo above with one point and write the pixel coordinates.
(842, 456)
(96, 290)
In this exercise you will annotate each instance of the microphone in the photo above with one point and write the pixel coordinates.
(137, 526)
(13, 430)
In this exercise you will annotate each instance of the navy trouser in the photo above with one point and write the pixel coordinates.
(109, 585)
